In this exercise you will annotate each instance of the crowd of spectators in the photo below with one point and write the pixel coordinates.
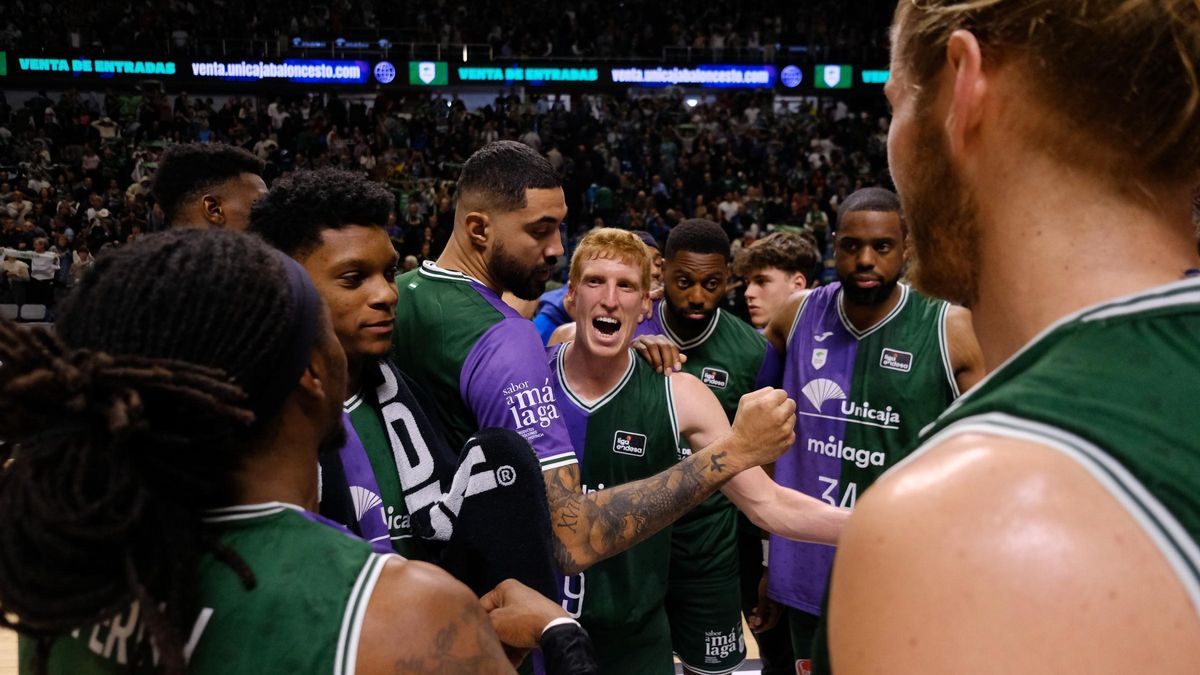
(76, 169)
(589, 28)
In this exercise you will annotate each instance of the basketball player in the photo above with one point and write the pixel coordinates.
(625, 420)
(870, 362)
(202, 185)
(705, 601)
(1048, 522)
(480, 364)
(159, 479)
(394, 480)
(774, 267)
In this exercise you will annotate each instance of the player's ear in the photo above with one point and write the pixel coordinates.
(479, 229)
(799, 281)
(211, 206)
(569, 298)
(969, 91)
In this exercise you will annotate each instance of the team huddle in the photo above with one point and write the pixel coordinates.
(251, 444)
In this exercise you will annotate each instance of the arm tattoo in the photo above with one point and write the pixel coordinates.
(458, 647)
(591, 527)
(716, 458)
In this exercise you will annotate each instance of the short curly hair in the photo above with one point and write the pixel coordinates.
(301, 206)
(187, 169)
(782, 250)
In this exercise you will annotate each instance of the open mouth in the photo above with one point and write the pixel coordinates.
(606, 325)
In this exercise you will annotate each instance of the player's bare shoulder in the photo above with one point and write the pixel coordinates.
(445, 627)
(999, 534)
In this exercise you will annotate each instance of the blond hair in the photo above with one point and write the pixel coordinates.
(609, 243)
(1124, 72)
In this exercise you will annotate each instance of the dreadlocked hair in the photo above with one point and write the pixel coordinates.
(120, 429)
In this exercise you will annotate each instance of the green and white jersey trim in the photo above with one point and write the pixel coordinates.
(1186, 292)
(579, 401)
(694, 342)
(674, 415)
(559, 461)
(1168, 535)
(351, 404)
(860, 334)
(431, 270)
(944, 348)
(230, 514)
(346, 658)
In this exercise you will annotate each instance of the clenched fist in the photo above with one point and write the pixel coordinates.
(765, 425)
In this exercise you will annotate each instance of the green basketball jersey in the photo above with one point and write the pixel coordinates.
(479, 363)
(627, 435)
(1115, 388)
(726, 357)
(304, 614)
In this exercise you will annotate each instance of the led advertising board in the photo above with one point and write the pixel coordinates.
(428, 73)
(313, 71)
(102, 67)
(528, 74)
(874, 76)
(834, 76)
(707, 75)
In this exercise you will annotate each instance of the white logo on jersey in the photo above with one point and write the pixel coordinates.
(822, 336)
(834, 447)
(530, 406)
(894, 359)
(819, 356)
(820, 390)
(364, 500)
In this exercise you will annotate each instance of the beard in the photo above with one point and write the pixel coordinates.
(523, 282)
(868, 296)
(942, 215)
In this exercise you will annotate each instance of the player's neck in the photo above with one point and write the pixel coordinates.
(592, 375)
(864, 317)
(283, 467)
(1068, 247)
(459, 258)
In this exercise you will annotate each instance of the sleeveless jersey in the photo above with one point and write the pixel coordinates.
(304, 615)
(479, 363)
(628, 434)
(726, 356)
(862, 398)
(1113, 387)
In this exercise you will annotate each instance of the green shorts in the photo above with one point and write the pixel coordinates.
(641, 648)
(704, 596)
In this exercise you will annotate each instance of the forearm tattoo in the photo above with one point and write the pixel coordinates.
(591, 527)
